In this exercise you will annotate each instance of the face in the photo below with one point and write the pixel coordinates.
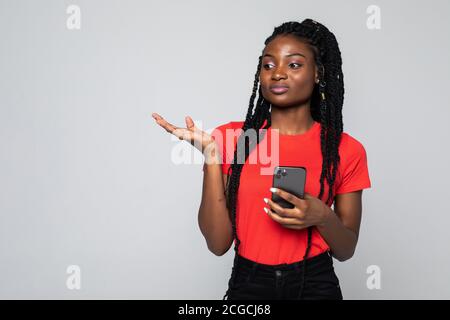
(288, 62)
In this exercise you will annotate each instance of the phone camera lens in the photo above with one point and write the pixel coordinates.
(284, 172)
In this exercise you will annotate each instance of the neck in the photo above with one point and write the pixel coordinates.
(291, 121)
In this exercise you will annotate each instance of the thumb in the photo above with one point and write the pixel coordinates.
(189, 123)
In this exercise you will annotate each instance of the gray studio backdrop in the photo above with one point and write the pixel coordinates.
(87, 178)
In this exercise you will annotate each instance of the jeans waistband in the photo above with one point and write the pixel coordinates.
(318, 259)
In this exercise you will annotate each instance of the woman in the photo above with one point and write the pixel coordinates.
(286, 253)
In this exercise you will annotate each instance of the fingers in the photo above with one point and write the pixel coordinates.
(283, 212)
(285, 222)
(169, 127)
(180, 133)
(189, 123)
(191, 133)
(288, 196)
(294, 226)
(163, 123)
(289, 218)
(307, 196)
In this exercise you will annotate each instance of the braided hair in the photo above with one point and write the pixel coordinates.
(326, 107)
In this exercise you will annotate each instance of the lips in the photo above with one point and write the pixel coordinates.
(278, 88)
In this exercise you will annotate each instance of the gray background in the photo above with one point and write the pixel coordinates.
(86, 176)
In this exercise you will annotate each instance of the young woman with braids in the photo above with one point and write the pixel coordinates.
(286, 253)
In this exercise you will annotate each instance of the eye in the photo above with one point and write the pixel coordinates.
(294, 63)
(299, 65)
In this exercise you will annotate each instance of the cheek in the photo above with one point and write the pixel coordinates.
(264, 91)
(264, 82)
(264, 79)
(304, 84)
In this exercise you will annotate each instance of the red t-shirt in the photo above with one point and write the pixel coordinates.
(262, 239)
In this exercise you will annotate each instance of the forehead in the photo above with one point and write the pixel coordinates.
(285, 44)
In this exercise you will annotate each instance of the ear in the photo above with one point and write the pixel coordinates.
(316, 75)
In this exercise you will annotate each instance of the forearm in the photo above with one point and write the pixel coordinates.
(342, 240)
(213, 217)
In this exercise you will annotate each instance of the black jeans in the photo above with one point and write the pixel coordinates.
(254, 280)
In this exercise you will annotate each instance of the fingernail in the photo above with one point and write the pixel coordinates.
(266, 210)
(266, 200)
(273, 189)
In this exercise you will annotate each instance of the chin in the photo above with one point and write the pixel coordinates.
(283, 103)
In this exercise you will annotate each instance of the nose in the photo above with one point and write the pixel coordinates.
(278, 73)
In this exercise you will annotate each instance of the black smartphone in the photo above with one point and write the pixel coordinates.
(290, 179)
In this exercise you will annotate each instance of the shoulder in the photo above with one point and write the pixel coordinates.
(353, 173)
(223, 130)
(222, 135)
(350, 147)
(230, 125)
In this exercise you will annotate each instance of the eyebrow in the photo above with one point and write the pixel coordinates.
(288, 55)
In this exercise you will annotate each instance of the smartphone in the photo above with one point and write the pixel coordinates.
(290, 179)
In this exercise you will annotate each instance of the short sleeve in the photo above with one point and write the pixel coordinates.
(354, 170)
(226, 154)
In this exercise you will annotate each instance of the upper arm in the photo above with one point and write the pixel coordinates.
(348, 207)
